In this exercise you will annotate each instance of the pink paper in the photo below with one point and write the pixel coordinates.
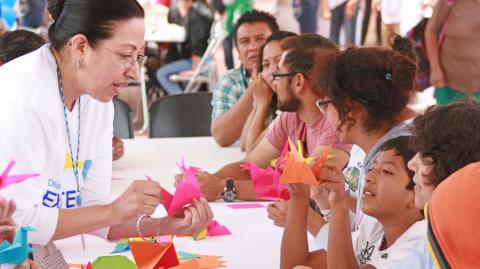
(245, 206)
(6, 179)
(266, 183)
(216, 229)
(185, 192)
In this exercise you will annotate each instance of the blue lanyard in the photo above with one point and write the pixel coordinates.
(74, 164)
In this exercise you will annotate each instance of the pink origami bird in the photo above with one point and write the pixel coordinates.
(266, 183)
(6, 179)
(185, 192)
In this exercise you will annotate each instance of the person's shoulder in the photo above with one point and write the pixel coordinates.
(289, 119)
(418, 230)
(235, 73)
(23, 78)
(232, 77)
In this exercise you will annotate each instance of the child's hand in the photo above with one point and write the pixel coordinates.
(333, 180)
(299, 191)
(277, 212)
(7, 225)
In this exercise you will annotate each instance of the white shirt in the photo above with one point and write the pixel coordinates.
(34, 134)
(391, 10)
(419, 258)
(335, 3)
(367, 240)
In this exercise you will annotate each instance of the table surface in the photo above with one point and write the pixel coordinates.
(254, 242)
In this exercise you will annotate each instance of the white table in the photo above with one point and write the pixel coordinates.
(255, 241)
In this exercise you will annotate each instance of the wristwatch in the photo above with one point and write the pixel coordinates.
(229, 193)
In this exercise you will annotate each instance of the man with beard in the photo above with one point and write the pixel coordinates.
(298, 83)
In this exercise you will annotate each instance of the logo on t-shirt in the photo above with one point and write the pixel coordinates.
(366, 253)
(352, 175)
(82, 166)
(60, 195)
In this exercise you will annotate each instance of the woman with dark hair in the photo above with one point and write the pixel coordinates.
(367, 97)
(264, 100)
(56, 103)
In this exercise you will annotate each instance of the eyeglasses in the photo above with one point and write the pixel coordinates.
(278, 75)
(322, 105)
(128, 61)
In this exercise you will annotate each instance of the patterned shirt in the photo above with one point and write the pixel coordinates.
(228, 90)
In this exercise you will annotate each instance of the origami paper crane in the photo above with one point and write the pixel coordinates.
(109, 262)
(297, 169)
(6, 179)
(150, 255)
(216, 229)
(185, 192)
(18, 250)
(266, 183)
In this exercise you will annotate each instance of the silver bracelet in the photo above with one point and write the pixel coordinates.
(138, 226)
(139, 232)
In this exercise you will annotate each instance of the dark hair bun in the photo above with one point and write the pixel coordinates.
(55, 8)
(404, 45)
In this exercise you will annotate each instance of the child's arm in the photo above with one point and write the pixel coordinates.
(340, 250)
(294, 249)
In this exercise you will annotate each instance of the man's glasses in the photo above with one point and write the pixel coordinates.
(128, 61)
(277, 75)
(322, 105)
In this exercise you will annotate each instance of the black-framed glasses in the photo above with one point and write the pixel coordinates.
(322, 105)
(128, 61)
(277, 75)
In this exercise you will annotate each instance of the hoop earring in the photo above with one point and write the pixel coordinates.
(81, 63)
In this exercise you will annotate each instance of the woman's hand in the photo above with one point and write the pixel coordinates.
(437, 78)
(141, 197)
(320, 196)
(277, 212)
(192, 220)
(262, 93)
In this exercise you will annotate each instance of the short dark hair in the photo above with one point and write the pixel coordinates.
(92, 18)
(17, 43)
(276, 36)
(450, 136)
(308, 41)
(401, 146)
(255, 16)
(381, 80)
(310, 55)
